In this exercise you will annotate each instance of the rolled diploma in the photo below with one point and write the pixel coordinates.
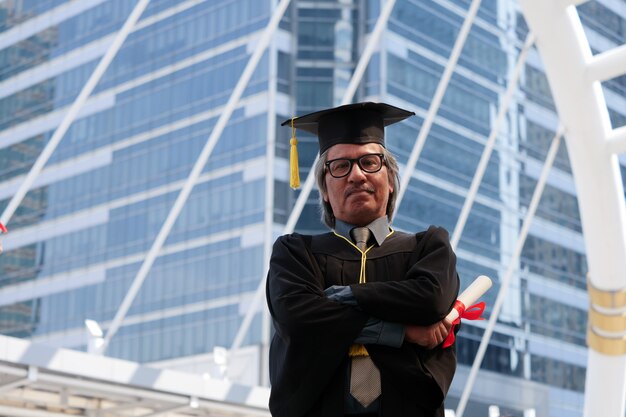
(471, 294)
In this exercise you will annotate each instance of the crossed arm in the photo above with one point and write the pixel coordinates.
(419, 302)
(377, 331)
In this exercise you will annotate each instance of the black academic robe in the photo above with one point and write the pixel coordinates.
(411, 279)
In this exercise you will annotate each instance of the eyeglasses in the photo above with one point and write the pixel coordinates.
(370, 163)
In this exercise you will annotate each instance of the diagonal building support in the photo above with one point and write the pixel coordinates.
(484, 159)
(374, 38)
(506, 280)
(75, 108)
(436, 100)
(195, 172)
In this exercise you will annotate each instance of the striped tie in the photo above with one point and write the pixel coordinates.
(364, 376)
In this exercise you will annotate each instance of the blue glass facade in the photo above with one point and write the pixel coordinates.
(80, 235)
(114, 177)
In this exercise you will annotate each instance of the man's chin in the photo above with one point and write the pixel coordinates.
(360, 199)
(360, 193)
(361, 215)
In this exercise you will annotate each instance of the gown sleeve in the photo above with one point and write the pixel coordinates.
(296, 298)
(313, 333)
(425, 294)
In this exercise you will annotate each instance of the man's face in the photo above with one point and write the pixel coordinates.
(359, 197)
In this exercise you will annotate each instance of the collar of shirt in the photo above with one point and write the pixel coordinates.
(379, 228)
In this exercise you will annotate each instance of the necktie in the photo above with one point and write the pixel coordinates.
(364, 376)
(360, 235)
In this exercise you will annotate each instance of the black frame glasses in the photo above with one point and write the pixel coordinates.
(335, 168)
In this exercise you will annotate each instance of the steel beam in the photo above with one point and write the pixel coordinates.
(582, 109)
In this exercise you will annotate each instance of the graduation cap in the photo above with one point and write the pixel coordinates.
(357, 123)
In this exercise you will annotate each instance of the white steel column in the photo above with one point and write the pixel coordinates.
(270, 158)
(72, 113)
(195, 172)
(436, 101)
(574, 76)
(374, 38)
(616, 141)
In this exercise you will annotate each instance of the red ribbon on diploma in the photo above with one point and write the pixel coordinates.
(473, 313)
(3, 229)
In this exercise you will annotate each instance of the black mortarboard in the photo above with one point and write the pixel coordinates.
(352, 123)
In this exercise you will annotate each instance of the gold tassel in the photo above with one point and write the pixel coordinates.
(358, 350)
(294, 178)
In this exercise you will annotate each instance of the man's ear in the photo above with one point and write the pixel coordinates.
(391, 181)
(324, 197)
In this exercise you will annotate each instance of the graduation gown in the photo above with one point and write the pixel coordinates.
(411, 279)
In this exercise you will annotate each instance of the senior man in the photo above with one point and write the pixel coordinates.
(359, 312)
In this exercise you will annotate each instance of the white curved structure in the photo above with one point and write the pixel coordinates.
(42, 381)
(575, 76)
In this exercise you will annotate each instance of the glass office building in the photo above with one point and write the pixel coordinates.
(80, 235)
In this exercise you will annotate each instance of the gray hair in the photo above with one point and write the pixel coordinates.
(328, 217)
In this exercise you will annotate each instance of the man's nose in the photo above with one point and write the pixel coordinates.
(356, 174)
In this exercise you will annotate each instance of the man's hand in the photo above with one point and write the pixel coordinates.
(427, 336)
